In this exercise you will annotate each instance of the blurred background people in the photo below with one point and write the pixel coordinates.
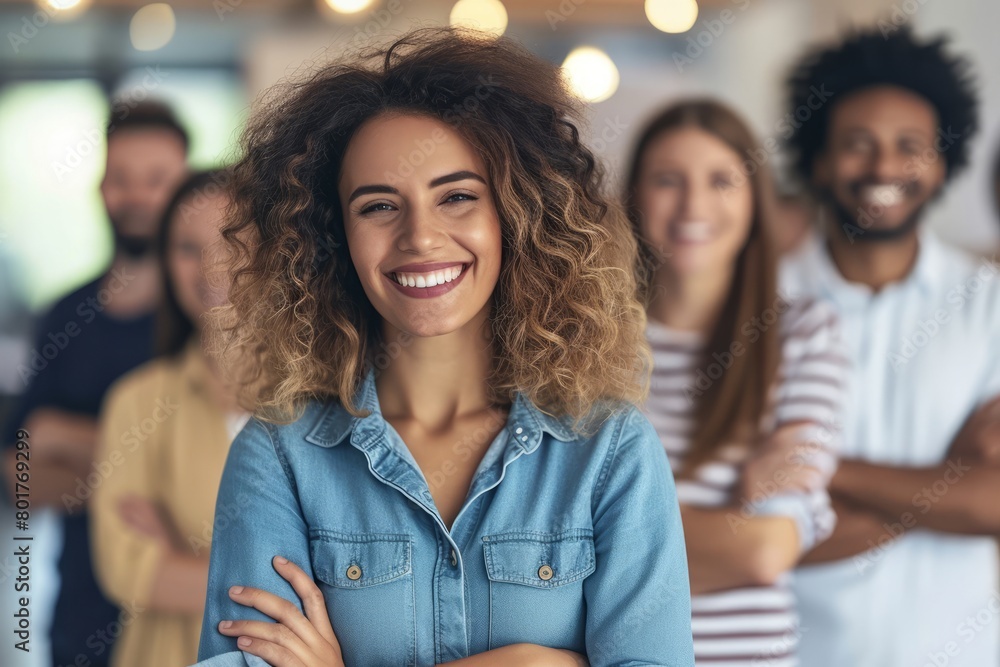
(911, 567)
(86, 341)
(165, 429)
(746, 387)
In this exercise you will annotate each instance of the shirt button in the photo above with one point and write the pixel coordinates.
(454, 558)
(545, 573)
(354, 573)
(518, 430)
(524, 437)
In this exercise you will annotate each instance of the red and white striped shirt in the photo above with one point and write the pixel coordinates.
(754, 626)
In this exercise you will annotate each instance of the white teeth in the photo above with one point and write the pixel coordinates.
(886, 195)
(692, 232)
(429, 279)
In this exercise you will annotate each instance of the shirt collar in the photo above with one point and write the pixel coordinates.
(525, 421)
(925, 274)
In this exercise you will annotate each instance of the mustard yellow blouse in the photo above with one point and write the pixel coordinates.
(163, 438)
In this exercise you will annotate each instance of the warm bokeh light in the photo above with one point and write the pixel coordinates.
(152, 27)
(60, 4)
(62, 10)
(488, 15)
(672, 16)
(591, 73)
(348, 6)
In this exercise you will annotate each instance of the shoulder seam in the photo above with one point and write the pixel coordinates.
(602, 476)
(278, 453)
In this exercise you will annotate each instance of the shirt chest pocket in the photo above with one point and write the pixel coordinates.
(367, 581)
(536, 586)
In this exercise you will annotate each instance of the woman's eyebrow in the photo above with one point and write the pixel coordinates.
(440, 180)
(457, 176)
(372, 189)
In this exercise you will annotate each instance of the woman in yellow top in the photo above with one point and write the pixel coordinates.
(165, 432)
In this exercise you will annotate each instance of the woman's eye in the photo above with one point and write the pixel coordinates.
(376, 207)
(667, 181)
(722, 183)
(188, 249)
(459, 196)
(857, 145)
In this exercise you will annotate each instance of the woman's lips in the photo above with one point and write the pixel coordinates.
(429, 292)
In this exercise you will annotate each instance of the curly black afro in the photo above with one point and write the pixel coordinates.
(878, 57)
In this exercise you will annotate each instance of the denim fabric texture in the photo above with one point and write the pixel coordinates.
(564, 540)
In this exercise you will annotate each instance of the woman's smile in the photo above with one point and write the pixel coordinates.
(424, 281)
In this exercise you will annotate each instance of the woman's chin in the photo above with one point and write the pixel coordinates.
(689, 263)
(428, 328)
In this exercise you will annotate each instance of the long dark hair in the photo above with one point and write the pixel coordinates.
(173, 326)
(734, 404)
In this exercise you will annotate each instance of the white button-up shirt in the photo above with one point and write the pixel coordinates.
(925, 353)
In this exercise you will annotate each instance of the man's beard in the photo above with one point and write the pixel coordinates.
(853, 224)
(132, 246)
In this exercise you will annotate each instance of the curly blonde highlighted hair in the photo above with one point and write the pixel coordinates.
(567, 324)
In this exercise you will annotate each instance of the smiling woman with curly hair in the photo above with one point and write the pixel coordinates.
(434, 315)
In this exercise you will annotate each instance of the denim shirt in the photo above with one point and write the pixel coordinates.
(563, 541)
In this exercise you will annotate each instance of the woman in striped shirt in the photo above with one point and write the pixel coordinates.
(746, 388)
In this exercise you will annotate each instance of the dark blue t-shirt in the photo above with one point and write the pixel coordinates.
(78, 352)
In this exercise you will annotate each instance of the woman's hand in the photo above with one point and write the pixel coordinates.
(294, 640)
(785, 462)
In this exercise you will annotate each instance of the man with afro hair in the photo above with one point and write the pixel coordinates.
(909, 577)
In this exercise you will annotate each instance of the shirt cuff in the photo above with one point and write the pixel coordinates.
(813, 515)
(233, 659)
(148, 562)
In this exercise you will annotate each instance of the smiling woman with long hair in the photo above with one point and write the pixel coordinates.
(747, 387)
(435, 317)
